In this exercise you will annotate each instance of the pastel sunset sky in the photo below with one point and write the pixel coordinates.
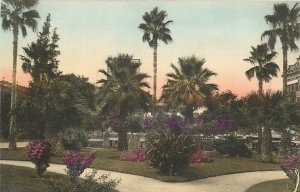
(90, 31)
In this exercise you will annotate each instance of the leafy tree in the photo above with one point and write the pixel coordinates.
(286, 26)
(17, 15)
(187, 86)
(155, 28)
(122, 90)
(264, 69)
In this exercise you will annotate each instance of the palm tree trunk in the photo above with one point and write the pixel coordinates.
(267, 144)
(260, 126)
(154, 76)
(189, 113)
(284, 70)
(122, 131)
(12, 127)
(285, 140)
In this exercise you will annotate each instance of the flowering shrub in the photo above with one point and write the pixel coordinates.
(291, 167)
(168, 146)
(90, 184)
(39, 153)
(76, 163)
(135, 156)
(199, 156)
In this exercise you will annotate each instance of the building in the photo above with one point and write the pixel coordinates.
(293, 80)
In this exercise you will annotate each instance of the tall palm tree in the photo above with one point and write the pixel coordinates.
(122, 90)
(264, 69)
(17, 15)
(187, 86)
(155, 28)
(285, 23)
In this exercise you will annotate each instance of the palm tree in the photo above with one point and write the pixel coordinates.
(285, 23)
(187, 86)
(155, 28)
(17, 15)
(264, 69)
(286, 26)
(122, 90)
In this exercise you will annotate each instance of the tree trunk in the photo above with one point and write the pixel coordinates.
(284, 69)
(259, 138)
(154, 76)
(12, 127)
(267, 144)
(122, 140)
(260, 127)
(285, 143)
(285, 140)
(189, 114)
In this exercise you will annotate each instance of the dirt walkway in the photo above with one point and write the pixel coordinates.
(133, 183)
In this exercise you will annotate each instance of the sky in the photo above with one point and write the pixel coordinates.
(222, 32)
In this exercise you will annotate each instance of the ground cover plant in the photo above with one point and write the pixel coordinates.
(291, 167)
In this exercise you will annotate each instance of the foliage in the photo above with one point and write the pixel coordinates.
(187, 86)
(76, 163)
(122, 91)
(73, 139)
(168, 147)
(199, 156)
(131, 123)
(264, 69)
(289, 167)
(89, 184)
(134, 156)
(233, 147)
(39, 153)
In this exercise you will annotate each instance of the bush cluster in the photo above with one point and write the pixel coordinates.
(134, 156)
(292, 168)
(168, 147)
(73, 139)
(233, 147)
(76, 163)
(89, 184)
(39, 153)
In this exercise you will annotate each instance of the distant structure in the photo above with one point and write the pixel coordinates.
(5, 88)
(293, 80)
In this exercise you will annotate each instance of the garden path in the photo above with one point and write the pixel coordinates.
(132, 183)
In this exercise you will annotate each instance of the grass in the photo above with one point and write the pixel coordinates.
(271, 186)
(22, 179)
(109, 159)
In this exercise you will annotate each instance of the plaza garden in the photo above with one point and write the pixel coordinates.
(83, 137)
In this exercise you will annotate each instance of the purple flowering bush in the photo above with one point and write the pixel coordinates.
(76, 163)
(290, 167)
(134, 156)
(168, 146)
(39, 153)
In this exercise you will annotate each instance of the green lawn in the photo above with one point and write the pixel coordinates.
(22, 179)
(271, 186)
(108, 159)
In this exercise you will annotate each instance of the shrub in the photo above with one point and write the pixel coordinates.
(89, 184)
(39, 153)
(73, 140)
(292, 167)
(76, 163)
(168, 151)
(199, 156)
(135, 156)
(233, 147)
